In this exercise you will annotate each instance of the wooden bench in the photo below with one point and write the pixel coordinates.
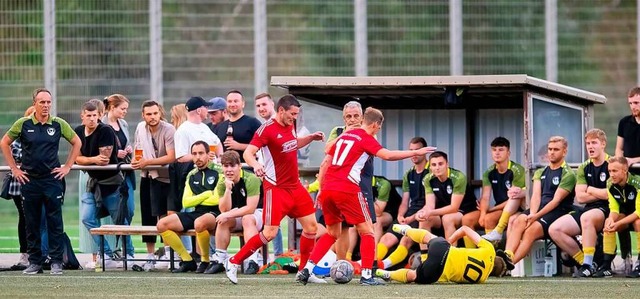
(140, 230)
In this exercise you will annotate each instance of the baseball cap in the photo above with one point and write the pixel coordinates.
(217, 103)
(196, 102)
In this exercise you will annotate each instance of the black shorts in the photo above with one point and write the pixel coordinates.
(576, 214)
(468, 208)
(430, 270)
(188, 218)
(413, 224)
(159, 197)
(549, 218)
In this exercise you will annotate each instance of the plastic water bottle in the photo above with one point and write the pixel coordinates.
(628, 265)
(548, 266)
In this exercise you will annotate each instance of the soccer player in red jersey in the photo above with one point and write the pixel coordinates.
(340, 194)
(284, 195)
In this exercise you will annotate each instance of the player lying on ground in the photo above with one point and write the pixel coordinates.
(461, 265)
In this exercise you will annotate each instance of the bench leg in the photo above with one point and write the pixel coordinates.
(171, 268)
(102, 252)
(265, 254)
(124, 251)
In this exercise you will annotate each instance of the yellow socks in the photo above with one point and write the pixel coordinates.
(502, 223)
(638, 240)
(416, 234)
(174, 241)
(399, 275)
(609, 243)
(203, 242)
(396, 257)
(381, 251)
(579, 257)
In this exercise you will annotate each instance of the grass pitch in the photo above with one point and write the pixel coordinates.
(117, 284)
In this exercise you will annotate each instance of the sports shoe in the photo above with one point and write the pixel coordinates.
(56, 269)
(493, 236)
(603, 272)
(635, 273)
(384, 274)
(231, 271)
(187, 266)
(108, 263)
(303, 276)
(214, 267)
(33, 269)
(150, 265)
(90, 265)
(400, 228)
(371, 281)
(506, 258)
(202, 267)
(585, 271)
(252, 268)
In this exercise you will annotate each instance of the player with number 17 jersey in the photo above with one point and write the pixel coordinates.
(350, 153)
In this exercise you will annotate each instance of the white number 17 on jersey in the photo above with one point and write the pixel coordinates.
(341, 152)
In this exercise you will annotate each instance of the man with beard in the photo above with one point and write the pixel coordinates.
(154, 136)
(239, 128)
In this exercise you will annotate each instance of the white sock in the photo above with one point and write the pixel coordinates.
(366, 273)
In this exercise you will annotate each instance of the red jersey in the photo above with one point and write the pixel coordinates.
(350, 152)
(279, 145)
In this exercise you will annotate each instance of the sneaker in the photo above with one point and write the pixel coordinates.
(109, 263)
(506, 258)
(24, 260)
(231, 271)
(493, 236)
(400, 228)
(585, 271)
(303, 276)
(33, 269)
(162, 262)
(90, 265)
(385, 275)
(56, 269)
(371, 281)
(202, 267)
(635, 273)
(315, 279)
(188, 266)
(252, 268)
(603, 272)
(214, 267)
(150, 265)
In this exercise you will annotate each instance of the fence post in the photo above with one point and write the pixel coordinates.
(361, 46)
(456, 58)
(49, 17)
(551, 39)
(155, 50)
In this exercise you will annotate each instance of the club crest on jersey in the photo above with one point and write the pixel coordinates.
(210, 180)
(555, 180)
(51, 131)
(603, 176)
(631, 196)
(507, 184)
(449, 189)
(290, 146)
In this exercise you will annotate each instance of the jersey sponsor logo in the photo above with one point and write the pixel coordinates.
(543, 177)
(449, 189)
(290, 146)
(51, 131)
(210, 180)
(589, 175)
(631, 196)
(494, 181)
(412, 182)
(616, 196)
(278, 136)
(30, 131)
(507, 184)
(555, 180)
(196, 183)
(436, 189)
(603, 176)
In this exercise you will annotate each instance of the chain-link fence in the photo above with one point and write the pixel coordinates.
(207, 48)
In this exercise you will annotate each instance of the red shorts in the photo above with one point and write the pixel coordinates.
(279, 202)
(338, 206)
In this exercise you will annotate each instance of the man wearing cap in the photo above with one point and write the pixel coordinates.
(218, 114)
(189, 132)
(242, 126)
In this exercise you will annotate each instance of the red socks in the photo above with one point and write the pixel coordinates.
(307, 242)
(367, 250)
(322, 247)
(249, 248)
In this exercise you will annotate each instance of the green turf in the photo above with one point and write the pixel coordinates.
(166, 285)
